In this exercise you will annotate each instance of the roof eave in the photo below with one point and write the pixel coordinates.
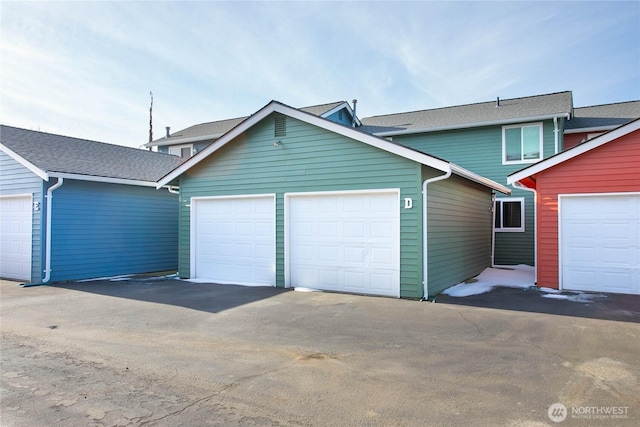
(175, 141)
(24, 162)
(472, 125)
(103, 179)
(591, 129)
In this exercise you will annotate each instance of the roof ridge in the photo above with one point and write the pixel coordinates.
(468, 105)
(609, 103)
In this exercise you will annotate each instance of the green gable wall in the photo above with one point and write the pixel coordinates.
(459, 228)
(480, 150)
(308, 159)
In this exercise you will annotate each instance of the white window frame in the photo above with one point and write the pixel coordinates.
(522, 161)
(179, 148)
(498, 204)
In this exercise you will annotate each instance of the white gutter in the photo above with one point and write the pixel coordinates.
(555, 133)
(470, 125)
(173, 189)
(108, 180)
(425, 266)
(535, 226)
(177, 140)
(47, 268)
(592, 129)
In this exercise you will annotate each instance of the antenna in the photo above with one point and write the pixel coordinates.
(151, 118)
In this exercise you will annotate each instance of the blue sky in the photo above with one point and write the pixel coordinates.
(85, 69)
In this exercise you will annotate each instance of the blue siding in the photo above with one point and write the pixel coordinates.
(15, 179)
(108, 229)
(341, 116)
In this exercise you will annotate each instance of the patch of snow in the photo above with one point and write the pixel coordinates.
(110, 278)
(578, 297)
(549, 290)
(301, 289)
(514, 276)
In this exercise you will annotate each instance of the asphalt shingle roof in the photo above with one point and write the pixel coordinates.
(603, 116)
(220, 127)
(63, 154)
(461, 115)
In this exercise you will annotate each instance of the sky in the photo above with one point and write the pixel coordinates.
(86, 69)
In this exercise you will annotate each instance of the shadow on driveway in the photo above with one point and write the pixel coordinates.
(618, 307)
(209, 297)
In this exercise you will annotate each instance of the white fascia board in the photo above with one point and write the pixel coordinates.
(80, 177)
(574, 151)
(24, 162)
(464, 173)
(176, 140)
(473, 125)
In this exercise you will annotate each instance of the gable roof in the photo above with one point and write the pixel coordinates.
(214, 130)
(48, 155)
(349, 132)
(602, 117)
(502, 111)
(574, 152)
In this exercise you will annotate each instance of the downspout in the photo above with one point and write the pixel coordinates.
(555, 132)
(493, 231)
(425, 267)
(173, 189)
(535, 226)
(47, 268)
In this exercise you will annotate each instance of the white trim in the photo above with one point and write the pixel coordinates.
(193, 230)
(287, 223)
(574, 151)
(479, 179)
(180, 147)
(103, 179)
(340, 107)
(591, 129)
(561, 197)
(472, 125)
(540, 126)
(337, 128)
(520, 229)
(24, 162)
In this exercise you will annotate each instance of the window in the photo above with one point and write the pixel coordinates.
(522, 143)
(509, 214)
(183, 151)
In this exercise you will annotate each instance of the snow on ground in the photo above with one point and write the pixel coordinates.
(515, 276)
(577, 297)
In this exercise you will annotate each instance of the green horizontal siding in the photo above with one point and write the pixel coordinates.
(459, 227)
(308, 159)
(480, 150)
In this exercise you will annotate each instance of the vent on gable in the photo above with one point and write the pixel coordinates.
(280, 126)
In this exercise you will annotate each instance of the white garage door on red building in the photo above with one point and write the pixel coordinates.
(599, 243)
(345, 241)
(15, 237)
(233, 240)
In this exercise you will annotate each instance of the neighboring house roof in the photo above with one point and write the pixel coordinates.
(579, 149)
(48, 155)
(602, 117)
(214, 130)
(500, 111)
(383, 144)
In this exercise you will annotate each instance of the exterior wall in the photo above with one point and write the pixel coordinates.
(344, 118)
(104, 229)
(612, 167)
(308, 159)
(480, 150)
(573, 139)
(15, 179)
(459, 227)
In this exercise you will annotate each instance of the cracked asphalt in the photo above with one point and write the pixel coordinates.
(159, 352)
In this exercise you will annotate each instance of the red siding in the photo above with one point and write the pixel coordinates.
(573, 139)
(611, 168)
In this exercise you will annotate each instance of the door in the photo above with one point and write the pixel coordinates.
(599, 243)
(15, 237)
(346, 242)
(233, 240)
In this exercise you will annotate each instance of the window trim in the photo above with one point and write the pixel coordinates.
(498, 202)
(180, 147)
(540, 125)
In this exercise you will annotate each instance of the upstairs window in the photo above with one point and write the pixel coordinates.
(509, 214)
(522, 143)
(183, 151)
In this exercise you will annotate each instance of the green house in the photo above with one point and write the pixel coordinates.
(291, 199)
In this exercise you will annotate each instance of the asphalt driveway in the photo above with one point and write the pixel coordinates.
(161, 352)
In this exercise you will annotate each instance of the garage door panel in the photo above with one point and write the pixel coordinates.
(15, 237)
(345, 242)
(599, 243)
(235, 240)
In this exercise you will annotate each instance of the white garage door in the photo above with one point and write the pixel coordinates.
(599, 243)
(233, 240)
(345, 242)
(15, 237)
